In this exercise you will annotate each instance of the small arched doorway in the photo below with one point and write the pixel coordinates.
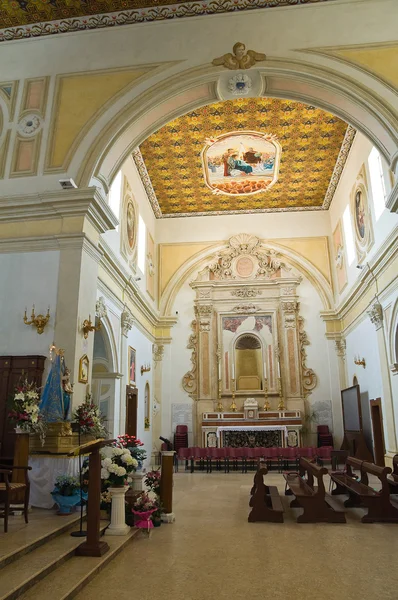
(104, 378)
(249, 363)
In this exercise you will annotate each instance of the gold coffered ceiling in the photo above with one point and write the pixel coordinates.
(311, 140)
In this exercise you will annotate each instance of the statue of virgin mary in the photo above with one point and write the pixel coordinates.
(55, 404)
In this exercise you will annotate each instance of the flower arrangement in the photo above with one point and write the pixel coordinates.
(90, 419)
(152, 481)
(134, 445)
(116, 465)
(25, 409)
(65, 485)
(144, 503)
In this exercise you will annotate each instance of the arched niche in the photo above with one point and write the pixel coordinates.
(104, 374)
(249, 362)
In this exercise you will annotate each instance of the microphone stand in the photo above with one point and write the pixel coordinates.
(80, 532)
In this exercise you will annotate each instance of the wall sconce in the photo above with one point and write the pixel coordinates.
(145, 369)
(39, 321)
(360, 362)
(88, 326)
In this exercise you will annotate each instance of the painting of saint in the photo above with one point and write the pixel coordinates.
(241, 163)
(132, 366)
(130, 224)
(360, 213)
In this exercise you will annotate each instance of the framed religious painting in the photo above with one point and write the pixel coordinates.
(132, 366)
(361, 216)
(128, 226)
(84, 365)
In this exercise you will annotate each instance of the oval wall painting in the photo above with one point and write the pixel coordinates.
(130, 224)
(241, 163)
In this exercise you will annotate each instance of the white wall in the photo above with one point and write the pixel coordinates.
(27, 279)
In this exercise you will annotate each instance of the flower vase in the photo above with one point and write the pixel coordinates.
(118, 516)
(66, 503)
(18, 429)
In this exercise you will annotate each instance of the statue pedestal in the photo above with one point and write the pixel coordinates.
(137, 483)
(118, 515)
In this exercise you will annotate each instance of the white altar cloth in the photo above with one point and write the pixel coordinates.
(45, 470)
(252, 428)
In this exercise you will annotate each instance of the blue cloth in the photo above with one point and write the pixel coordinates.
(240, 165)
(55, 403)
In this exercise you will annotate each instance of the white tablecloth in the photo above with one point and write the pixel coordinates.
(45, 470)
(252, 428)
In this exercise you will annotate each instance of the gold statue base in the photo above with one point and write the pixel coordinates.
(60, 439)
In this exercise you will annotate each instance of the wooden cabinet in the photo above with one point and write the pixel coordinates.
(12, 368)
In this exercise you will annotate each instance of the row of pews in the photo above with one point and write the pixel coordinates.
(308, 488)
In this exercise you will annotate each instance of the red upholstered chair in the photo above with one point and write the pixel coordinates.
(325, 438)
(324, 454)
(182, 429)
(259, 454)
(308, 452)
(251, 457)
(337, 458)
(274, 457)
(183, 454)
(211, 455)
(199, 454)
(289, 458)
(235, 455)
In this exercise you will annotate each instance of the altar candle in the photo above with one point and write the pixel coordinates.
(233, 371)
(265, 370)
(219, 371)
(279, 368)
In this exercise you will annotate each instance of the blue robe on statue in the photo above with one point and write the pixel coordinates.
(55, 403)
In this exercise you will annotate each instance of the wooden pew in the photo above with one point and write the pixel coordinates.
(265, 501)
(379, 505)
(393, 478)
(314, 500)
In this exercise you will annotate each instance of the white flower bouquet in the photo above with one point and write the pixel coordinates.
(25, 410)
(117, 465)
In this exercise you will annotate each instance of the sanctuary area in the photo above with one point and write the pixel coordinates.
(199, 296)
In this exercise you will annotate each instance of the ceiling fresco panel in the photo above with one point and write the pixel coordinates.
(310, 140)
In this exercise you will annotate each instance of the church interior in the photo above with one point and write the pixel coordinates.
(199, 296)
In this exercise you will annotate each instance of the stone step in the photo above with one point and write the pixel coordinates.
(64, 582)
(28, 537)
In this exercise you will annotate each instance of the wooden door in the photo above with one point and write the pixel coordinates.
(377, 427)
(131, 410)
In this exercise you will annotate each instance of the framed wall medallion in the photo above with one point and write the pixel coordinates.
(128, 226)
(339, 256)
(361, 216)
(132, 366)
(84, 365)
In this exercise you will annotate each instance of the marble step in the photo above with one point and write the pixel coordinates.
(69, 578)
(24, 572)
(15, 544)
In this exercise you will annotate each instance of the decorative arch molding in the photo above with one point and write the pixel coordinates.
(393, 339)
(100, 156)
(202, 259)
(110, 342)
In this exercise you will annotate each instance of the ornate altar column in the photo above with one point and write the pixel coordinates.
(77, 279)
(207, 366)
(376, 315)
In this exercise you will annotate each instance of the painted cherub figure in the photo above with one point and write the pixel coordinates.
(239, 59)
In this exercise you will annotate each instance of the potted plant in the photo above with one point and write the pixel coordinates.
(152, 481)
(25, 410)
(143, 509)
(66, 493)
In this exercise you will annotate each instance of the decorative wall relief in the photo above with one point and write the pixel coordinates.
(151, 270)
(100, 308)
(246, 292)
(310, 380)
(127, 321)
(339, 257)
(265, 263)
(246, 308)
(128, 226)
(240, 58)
(361, 216)
(189, 381)
(157, 352)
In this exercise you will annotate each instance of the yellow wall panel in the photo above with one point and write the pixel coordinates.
(315, 250)
(172, 256)
(78, 99)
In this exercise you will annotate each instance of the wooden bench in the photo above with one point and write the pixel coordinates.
(360, 494)
(316, 503)
(393, 478)
(265, 502)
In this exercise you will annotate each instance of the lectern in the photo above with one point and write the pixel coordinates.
(92, 546)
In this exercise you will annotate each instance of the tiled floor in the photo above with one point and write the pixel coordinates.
(212, 552)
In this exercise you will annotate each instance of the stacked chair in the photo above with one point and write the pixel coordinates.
(325, 438)
(181, 437)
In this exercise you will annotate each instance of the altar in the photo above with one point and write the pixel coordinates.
(269, 429)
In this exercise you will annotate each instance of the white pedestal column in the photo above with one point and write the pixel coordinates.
(137, 484)
(118, 517)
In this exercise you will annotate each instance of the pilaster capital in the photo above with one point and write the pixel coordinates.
(375, 313)
(340, 346)
(127, 321)
(100, 308)
(157, 352)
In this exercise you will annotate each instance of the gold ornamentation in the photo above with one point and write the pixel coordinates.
(233, 406)
(281, 404)
(310, 380)
(39, 321)
(239, 59)
(84, 365)
(145, 369)
(88, 326)
(360, 362)
(189, 381)
(268, 261)
(267, 405)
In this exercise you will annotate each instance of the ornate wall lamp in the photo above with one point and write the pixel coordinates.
(39, 321)
(360, 362)
(88, 326)
(145, 369)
